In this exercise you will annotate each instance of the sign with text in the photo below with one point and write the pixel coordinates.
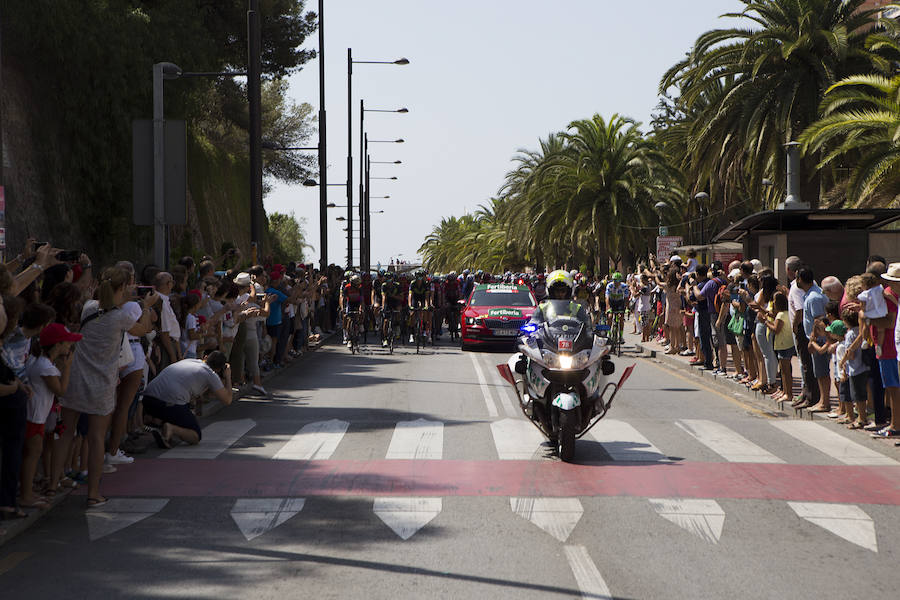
(665, 246)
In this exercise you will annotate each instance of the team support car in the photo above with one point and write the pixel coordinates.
(494, 313)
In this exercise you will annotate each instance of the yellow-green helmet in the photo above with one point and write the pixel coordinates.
(560, 278)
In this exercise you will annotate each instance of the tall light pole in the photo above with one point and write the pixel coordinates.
(350, 63)
(702, 197)
(365, 238)
(254, 96)
(323, 159)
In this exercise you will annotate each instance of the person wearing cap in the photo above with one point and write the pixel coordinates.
(48, 373)
(245, 350)
(886, 349)
(167, 398)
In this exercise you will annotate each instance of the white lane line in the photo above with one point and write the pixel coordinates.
(217, 438)
(314, 441)
(488, 401)
(728, 444)
(419, 439)
(623, 442)
(501, 388)
(703, 518)
(406, 516)
(833, 444)
(589, 579)
(556, 516)
(844, 520)
(255, 516)
(517, 439)
(119, 513)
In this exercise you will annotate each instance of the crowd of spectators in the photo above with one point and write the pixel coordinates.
(93, 359)
(744, 323)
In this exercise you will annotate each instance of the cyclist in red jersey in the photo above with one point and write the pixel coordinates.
(351, 300)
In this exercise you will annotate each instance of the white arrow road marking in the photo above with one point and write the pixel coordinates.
(501, 388)
(315, 441)
(488, 401)
(844, 520)
(623, 442)
(119, 513)
(703, 518)
(406, 516)
(217, 438)
(517, 439)
(589, 579)
(255, 516)
(556, 516)
(419, 439)
(833, 444)
(731, 446)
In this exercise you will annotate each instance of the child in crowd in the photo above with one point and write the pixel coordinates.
(190, 329)
(872, 297)
(783, 343)
(857, 370)
(49, 376)
(643, 307)
(837, 334)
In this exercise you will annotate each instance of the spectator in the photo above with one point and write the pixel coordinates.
(813, 311)
(48, 373)
(167, 398)
(783, 344)
(92, 385)
(857, 370)
(170, 330)
(704, 289)
(886, 351)
(764, 306)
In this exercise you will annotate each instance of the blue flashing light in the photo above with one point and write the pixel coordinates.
(528, 328)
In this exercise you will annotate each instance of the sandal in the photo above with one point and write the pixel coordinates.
(95, 502)
(856, 425)
(844, 421)
(68, 483)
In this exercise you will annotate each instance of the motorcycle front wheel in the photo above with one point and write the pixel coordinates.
(568, 423)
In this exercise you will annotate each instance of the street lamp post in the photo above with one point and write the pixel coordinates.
(323, 160)
(701, 198)
(365, 238)
(254, 96)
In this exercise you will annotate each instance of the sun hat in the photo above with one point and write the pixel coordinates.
(675, 258)
(837, 328)
(893, 272)
(55, 333)
(757, 265)
(735, 273)
(242, 279)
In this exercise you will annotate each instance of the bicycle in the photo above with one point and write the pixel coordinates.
(453, 320)
(616, 337)
(388, 317)
(419, 317)
(368, 317)
(353, 331)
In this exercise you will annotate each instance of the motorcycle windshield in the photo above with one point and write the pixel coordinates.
(568, 334)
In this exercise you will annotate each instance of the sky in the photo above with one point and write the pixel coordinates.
(486, 78)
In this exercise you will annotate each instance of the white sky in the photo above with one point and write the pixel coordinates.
(485, 78)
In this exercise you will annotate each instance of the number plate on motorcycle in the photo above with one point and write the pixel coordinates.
(564, 345)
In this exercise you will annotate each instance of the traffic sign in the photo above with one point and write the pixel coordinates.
(666, 244)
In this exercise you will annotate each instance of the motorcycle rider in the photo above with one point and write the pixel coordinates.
(560, 288)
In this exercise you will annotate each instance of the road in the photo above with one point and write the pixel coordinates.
(414, 476)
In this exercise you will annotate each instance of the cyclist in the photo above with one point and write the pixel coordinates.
(420, 296)
(616, 298)
(391, 300)
(351, 299)
(367, 292)
(377, 282)
(582, 292)
(452, 291)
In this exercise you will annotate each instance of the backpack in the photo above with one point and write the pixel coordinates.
(723, 296)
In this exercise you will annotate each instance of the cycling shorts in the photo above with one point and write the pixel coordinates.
(419, 299)
(351, 307)
(617, 304)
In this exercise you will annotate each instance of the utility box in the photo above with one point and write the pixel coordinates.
(175, 172)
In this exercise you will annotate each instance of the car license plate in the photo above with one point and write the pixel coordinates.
(506, 332)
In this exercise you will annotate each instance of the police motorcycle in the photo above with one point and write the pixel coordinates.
(560, 373)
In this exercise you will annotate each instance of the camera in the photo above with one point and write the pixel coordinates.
(68, 255)
(144, 290)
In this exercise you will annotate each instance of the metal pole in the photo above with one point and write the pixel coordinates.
(362, 175)
(159, 182)
(323, 161)
(254, 97)
(350, 158)
(368, 213)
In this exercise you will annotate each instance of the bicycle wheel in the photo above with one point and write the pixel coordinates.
(390, 333)
(418, 330)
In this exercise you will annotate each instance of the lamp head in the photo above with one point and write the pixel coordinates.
(401, 61)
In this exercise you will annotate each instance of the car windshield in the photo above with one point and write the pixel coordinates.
(501, 296)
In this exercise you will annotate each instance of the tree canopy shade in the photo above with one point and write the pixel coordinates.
(288, 237)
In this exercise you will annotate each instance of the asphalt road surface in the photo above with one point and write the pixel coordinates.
(415, 476)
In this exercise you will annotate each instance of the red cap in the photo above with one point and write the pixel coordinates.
(275, 275)
(55, 333)
(197, 293)
(279, 268)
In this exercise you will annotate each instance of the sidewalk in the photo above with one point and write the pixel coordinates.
(208, 408)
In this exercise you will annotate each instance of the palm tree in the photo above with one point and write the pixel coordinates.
(860, 125)
(772, 78)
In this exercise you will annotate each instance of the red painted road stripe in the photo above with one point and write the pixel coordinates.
(286, 478)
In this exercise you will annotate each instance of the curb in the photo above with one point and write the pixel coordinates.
(14, 528)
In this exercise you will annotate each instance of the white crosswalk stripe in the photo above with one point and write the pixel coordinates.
(728, 444)
(517, 439)
(217, 438)
(485, 391)
(833, 444)
(315, 441)
(501, 387)
(419, 439)
(623, 442)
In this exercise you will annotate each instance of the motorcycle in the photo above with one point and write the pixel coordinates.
(562, 366)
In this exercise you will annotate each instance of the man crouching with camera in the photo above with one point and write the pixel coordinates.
(167, 398)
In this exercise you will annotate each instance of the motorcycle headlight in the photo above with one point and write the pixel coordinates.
(565, 361)
(551, 359)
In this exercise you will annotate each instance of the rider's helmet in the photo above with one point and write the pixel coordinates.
(560, 285)
(355, 279)
(420, 274)
(573, 272)
(617, 277)
(465, 272)
(389, 276)
(381, 272)
(452, 275)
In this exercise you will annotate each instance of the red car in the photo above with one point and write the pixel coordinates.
(494, 313)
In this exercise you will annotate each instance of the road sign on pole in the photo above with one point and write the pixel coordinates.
(666, 244)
